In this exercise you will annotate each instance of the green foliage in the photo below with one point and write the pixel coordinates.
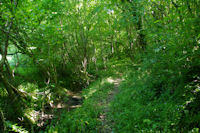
(149, 102)
(14, 127)
(135, 108)
(86, 118)
(50, 46)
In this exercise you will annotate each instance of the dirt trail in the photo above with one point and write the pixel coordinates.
(107, 124)
(74, 101)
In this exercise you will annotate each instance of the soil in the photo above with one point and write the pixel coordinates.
(107, 124)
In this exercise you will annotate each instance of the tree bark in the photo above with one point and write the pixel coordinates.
(2, 122)
(141, 36)
(13, 93)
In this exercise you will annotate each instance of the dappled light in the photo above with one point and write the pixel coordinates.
(110, 80)
(99, 66)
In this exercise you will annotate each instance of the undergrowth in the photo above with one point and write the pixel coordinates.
(161, 94)
(85, 118)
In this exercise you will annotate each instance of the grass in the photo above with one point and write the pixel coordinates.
(138, 107)
(85, 118)
(152, 98)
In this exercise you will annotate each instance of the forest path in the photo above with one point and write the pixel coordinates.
(107, 123)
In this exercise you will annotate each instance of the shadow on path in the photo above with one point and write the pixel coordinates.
(107, 124)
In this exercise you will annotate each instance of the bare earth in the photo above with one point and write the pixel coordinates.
(107, 124)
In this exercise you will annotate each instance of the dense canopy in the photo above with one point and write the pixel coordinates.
(99, 66)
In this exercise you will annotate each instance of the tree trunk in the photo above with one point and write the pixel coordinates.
(8, 69)
(12, 91)
(141, 36)
(2, 122)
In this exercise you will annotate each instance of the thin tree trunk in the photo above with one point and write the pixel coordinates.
(2, 122)
(7, 65)
(141, 35)
(13, 93)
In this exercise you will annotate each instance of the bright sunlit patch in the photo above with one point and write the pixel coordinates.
(110, 11)
(32, 115)
(54, 12)
(31, 48)
(9, 58)
(79, 6)
(90, 93)
(110, 80)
